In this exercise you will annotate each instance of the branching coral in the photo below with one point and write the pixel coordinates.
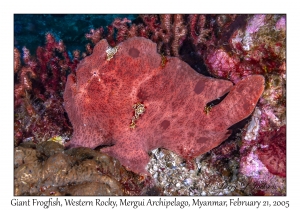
(168, 31)
(39, 84)
(197, 28)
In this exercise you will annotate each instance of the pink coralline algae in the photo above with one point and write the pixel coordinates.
(99, 101)
(263, 157)
(258, 48)
(255, 23)
(272, 151)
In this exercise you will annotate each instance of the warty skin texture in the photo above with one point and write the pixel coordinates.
(100, 97)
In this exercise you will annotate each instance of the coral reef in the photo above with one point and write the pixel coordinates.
(214, 174)
(251, 165)
(47, 169)
(263, 148)
(39, 86)
(257, 45)
(259, 48)
(231, 47)
(197, 33)
(168, 31)
(272, 151)
(100, 97)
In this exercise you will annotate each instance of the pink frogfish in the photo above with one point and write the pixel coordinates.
(131, 100)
